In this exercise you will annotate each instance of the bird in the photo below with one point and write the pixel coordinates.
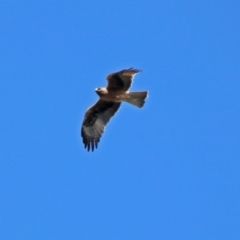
(110, 98)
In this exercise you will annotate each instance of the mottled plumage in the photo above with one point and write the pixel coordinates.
(97, 116)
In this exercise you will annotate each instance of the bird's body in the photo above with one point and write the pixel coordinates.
(97, 116)
(106, 95)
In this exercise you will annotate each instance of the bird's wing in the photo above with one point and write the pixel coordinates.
(121, 81)
(95, 120)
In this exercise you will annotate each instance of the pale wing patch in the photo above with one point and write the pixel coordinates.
(95, 121)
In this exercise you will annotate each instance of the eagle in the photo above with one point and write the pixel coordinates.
(110, 99)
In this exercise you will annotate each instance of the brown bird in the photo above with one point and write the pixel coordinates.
(98, 115)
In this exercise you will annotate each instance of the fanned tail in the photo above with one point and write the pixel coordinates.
(136, 98)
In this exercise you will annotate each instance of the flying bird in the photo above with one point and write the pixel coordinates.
(110, 99)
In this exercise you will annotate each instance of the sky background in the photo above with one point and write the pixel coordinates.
(170, 170)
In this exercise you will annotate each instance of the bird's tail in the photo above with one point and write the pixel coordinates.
(136, 98)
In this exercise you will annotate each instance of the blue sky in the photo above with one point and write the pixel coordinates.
(168, 171)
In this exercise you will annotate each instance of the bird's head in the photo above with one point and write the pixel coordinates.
(101, 91)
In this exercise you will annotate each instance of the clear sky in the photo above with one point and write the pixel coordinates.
(170, 170)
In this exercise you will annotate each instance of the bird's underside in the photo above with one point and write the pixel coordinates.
(111, 97)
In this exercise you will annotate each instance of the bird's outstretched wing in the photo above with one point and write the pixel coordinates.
(121, 81)
(95, 120)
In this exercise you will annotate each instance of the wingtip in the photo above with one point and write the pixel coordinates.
(134, 69)
(91, 146)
